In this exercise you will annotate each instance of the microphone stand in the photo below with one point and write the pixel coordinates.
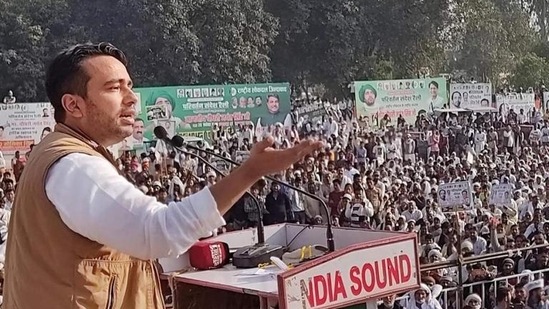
(260, 226)
(249, 256)
(329, 231)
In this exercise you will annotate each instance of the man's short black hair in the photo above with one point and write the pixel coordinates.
(65, 75)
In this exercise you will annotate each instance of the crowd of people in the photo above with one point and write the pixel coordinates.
(385, 175)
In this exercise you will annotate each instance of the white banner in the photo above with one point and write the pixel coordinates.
(23, 124)
(501, 194)
(454, 194)
(516, 102)
(360, 275)
(471, 96)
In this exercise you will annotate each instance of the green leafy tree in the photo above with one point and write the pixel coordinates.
(21, 49)
(530, 71)
(492, 39)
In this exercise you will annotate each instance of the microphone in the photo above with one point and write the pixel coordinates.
(161, 134)
(178, 141)
(249, 256)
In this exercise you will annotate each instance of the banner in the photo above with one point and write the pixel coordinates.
(454, 194)
(515, 102)
(24, 124)
(191, 111)
(471, 96)
(312, 112)
(501, 194)
(357, 275)
(183, 109)
(375, 99)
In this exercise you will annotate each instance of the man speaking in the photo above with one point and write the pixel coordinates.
(81, 236)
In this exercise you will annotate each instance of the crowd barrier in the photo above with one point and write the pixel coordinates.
(453, 297)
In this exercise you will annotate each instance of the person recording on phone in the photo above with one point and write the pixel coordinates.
(79, 229)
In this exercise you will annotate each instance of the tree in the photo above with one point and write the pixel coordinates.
(21, 49)
(493, 38)
(235, 39)
(337, 42)
(530, 71)
(537, 10)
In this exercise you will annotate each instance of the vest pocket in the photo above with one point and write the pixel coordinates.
(111, 296)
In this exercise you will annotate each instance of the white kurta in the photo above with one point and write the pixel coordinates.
(95, 201)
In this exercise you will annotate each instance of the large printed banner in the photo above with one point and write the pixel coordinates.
(515, 102)
(471, 96)
(193, 109)
(375, 99)
(24, 124)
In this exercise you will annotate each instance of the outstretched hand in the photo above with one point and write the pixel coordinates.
(264, 159)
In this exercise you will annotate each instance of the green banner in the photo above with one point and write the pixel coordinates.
(407, 97)
(192, 110)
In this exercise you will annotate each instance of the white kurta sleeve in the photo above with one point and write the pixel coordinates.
(98, 203)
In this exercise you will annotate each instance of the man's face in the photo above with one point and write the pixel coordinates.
(473, 235)
(162, 196)
(273, 105)
(10, 196)
(165, 103)
(507, 268)
(456, 98)
(433, 90)
(107, 114)
(520, 294)
(138, 128)
(369, 96)
(514, 230)
(389, 300)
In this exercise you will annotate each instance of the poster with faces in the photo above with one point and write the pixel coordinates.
(501, 194)
(169, 125)
(477, 95)
(157, 112)
(454, 196)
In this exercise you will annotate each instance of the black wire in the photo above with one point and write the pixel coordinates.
(299, 233)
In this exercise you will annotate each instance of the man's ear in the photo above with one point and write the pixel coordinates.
(73, 105)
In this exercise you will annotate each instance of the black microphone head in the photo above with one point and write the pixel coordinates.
(178, 141)
(160, 133)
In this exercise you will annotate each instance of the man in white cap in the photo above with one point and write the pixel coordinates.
(474, 301)
(535, 295)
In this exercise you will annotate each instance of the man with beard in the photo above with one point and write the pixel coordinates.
(520, 295)
(535, 299)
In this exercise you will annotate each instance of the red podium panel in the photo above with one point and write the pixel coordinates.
(353, 275)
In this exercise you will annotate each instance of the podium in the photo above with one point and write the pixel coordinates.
(365, 266)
